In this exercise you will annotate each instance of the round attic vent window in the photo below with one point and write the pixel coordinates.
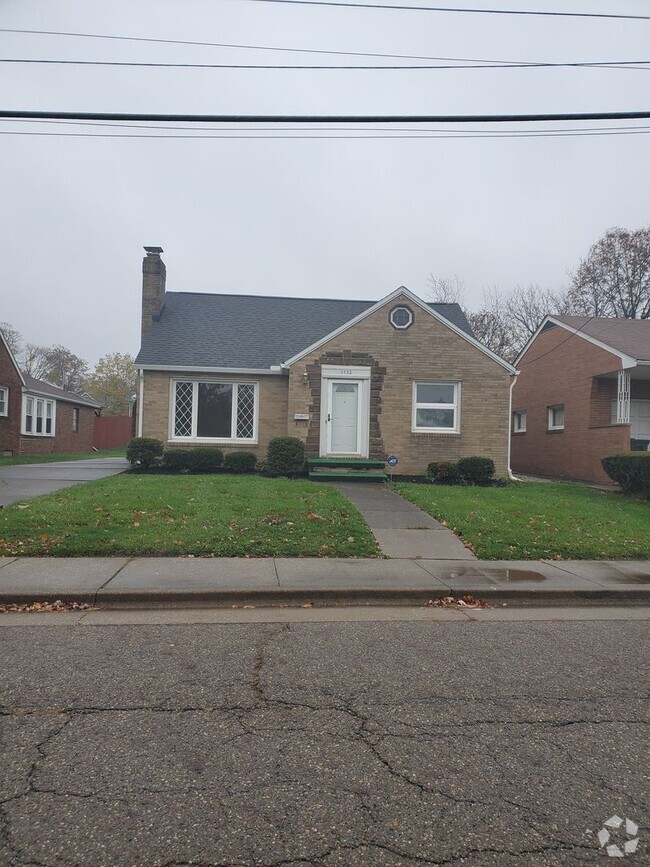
(401, 317)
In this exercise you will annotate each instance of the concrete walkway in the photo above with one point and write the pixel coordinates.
(114, 582)
(22, 481)
(400, 528)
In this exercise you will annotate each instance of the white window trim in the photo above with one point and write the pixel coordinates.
(550, 410)
(518, 416)
(46, 402)
(455, 406)
(76, 419)
(395, 310)
(195, 415)
(5, 389)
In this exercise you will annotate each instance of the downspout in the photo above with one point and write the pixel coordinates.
(511, 475)
(141, 404)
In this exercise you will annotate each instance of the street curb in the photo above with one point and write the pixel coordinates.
(330, 597)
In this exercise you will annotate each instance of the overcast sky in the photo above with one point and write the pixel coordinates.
(316, 218)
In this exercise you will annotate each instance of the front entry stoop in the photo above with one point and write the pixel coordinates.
(346, 470)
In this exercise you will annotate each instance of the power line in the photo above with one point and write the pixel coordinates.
(472, 11)
(14, 114)
(612, 64)
(252, 47)
(494, 133)
(387, 136)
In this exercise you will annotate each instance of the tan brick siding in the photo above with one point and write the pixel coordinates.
(427, 351)
(560, 369)
(272, 408)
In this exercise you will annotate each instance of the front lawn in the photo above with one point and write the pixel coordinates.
(534, 521)
(220, 515)
(14, 460)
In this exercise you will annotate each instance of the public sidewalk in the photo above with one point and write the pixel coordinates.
(155, 582)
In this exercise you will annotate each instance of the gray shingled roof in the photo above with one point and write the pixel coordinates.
(201, 330)
(631, 336)
(42, 387)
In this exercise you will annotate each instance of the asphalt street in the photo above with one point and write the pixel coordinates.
(327, 743)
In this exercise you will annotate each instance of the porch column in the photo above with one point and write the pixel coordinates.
(623, 398)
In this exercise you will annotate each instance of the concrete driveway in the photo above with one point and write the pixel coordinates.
(30, 480)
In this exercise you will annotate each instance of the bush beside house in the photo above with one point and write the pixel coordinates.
(631, 470)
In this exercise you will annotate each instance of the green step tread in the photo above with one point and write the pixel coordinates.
(353, 476)
(345, 462)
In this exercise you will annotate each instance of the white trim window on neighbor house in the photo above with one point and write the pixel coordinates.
(39, 416)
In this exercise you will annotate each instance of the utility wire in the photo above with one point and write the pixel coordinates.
(250, 47)
(495, 133)
(361, 137)
(613, 64)
(472, 11)
(14, 114)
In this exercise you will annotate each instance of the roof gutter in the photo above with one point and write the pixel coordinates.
(274, 370)
(72, 399)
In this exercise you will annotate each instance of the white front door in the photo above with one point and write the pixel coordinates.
(343, 424)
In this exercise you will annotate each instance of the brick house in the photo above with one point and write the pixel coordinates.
(582, 393)
(38, 418)
(349, 378)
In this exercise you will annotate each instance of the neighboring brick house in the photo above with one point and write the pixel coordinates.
(38, 418)
(349, 378)
(582, 393)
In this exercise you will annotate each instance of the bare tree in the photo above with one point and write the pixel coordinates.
(493, 326)
(13, 338)
(447, 290)
(614, 278)
(527, 306)
(33, 360)
(65, 369)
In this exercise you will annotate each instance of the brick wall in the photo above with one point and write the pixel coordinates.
(428, 350)
(65, 440)
(10, 424)
(272, 409)
(557, 370)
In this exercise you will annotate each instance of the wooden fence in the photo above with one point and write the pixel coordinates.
(112, 431)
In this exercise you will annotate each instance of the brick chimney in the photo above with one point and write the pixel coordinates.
(153, 287)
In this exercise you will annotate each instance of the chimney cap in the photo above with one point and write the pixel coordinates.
(154, 251)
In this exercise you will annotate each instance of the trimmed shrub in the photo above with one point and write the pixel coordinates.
(240, 462)
(144, 452)
(205, 460)
(475, 470)
(285, 457)
(631, 470)
(443, 471)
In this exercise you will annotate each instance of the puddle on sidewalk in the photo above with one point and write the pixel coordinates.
(628, 579)
(514, 575)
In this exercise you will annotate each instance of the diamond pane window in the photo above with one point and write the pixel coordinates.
(245, 411)
(183, 409)
(220, 411)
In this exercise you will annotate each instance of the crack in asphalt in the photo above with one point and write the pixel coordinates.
(366, 728)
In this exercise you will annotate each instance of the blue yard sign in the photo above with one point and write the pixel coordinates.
(392, 460)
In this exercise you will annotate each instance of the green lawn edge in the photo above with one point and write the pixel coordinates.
(17, 460)
(139, 515)
(539, 521)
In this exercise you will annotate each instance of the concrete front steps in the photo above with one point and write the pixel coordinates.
(346, 470)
